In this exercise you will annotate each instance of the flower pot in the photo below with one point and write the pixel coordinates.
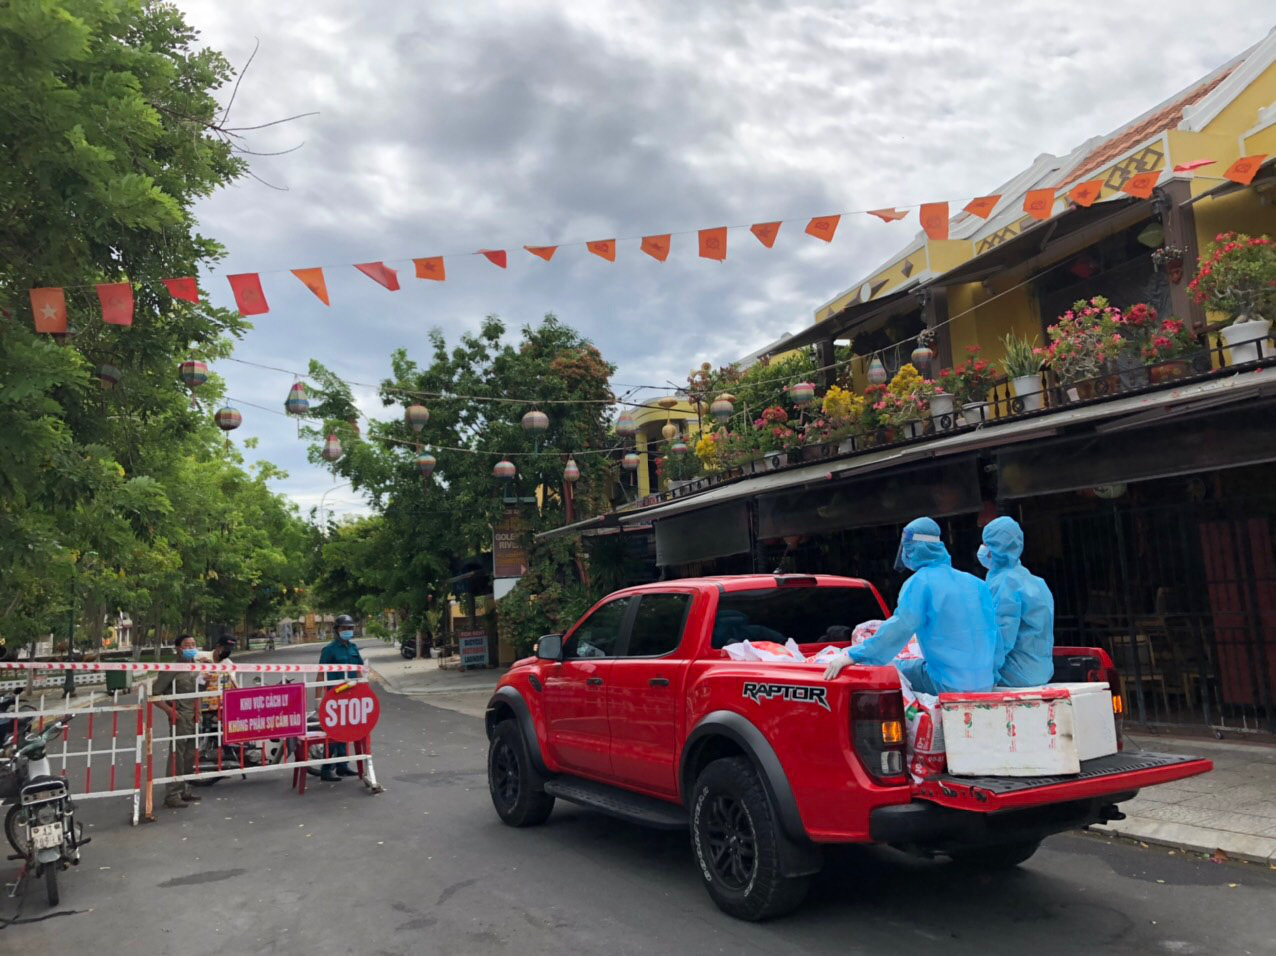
(846, 446)
(1132, 372)
(776, 459)
(941, 412)
(908, 430)
(1081, 391)
(1168, 371)
(974, 412)
(1028, 389)
(1244, 338)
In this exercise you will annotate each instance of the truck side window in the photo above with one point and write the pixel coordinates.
(599, 634)
(658, 624)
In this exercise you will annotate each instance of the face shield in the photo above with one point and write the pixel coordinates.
(905, 538)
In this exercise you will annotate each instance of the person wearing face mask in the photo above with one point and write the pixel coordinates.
(342, 650)
(1023, 608)
(181, 715)
(951, 613)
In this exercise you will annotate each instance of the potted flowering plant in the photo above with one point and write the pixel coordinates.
(871, 418)
(1170, 258)
(843, 414)
(1237, 276)
(1163, 350)
(970, 382)
(776, 437)
(904, 403)
(1082, 341)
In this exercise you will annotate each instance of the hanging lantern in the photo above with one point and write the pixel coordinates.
(722, 408)
(331, 449)
(626, 424)
(571, 471)
(535, 422)
(297, 403)
(669, 430)
(425, 463)
(504, 470)
(108, 376)
(416, 416)
(876, 372)
(193, 373)
(228, 419)
(801, 393)
(679, 448)
(921, 357)
(629, 462)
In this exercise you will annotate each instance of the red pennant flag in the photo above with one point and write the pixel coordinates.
(603, 248)
(431, 268)
(713, 243)
(48, 307)
(313, 280)
(1085, 194)
(543, 252)
(116, 299)
(249, 298)
(1140, 185)
(184, 289)
(496, 257)
(656, 246)
(1039, 203)
(766, 232)
(1245, 169)
(381, 274)
(982, 206)
(823, 227)
(1194, 164)
(934, 219)
(888, 215)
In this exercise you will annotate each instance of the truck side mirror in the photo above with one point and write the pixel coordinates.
(550, 647)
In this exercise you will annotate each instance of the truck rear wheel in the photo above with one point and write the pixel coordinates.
(735, 836)
(1001, 856)
(511, 780)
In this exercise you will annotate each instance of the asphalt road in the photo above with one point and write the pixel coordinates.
(426, 867)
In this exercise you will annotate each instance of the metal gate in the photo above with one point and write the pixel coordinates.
(1183, 596)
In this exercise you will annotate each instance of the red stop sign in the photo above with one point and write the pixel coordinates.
(350, 714)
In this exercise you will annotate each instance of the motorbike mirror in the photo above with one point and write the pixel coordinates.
(550, 647)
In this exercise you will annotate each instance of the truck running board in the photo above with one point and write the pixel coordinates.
(616, 802)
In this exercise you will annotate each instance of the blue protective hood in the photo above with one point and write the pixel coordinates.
(1004, 540)
(923, 554)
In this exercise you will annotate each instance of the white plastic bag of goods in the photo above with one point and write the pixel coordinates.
(912, 650)
(825, 655)
(766, 651)
(925, 732)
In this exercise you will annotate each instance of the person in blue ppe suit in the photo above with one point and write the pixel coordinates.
(342, 650)
(951, 613)
(1023, 608)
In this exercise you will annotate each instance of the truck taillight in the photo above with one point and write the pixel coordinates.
(877, 728)
(1113, 677)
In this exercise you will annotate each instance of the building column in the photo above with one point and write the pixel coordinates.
(1179, 221)
(824, 357)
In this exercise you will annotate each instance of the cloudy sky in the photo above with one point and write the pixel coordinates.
(449, 127)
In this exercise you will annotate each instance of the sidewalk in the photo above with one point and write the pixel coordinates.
(1232, 809)
(463, 691)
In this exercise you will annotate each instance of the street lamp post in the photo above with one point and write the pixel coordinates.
(324, 497)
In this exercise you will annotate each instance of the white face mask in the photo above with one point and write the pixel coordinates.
(984, 556)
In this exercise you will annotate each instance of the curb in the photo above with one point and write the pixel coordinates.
(1192, 839)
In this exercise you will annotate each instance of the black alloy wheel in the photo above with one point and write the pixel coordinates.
(733, 852)
(514, 784)
(505, 782)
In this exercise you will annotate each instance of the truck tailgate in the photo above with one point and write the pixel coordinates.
(1120, 773)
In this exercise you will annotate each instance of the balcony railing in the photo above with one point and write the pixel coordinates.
(1005, 404)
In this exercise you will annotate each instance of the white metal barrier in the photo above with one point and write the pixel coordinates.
(214, 758)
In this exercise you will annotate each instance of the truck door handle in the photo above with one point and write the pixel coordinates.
(658, 682)
(594, 681)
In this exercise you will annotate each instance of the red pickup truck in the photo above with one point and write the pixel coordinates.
(637, 711)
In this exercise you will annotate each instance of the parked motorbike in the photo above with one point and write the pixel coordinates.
(407, 647)
(41, 825)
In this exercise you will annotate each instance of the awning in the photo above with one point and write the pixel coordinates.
(599, 524)
(836, 326)
(1266, 174)
(1226, 388)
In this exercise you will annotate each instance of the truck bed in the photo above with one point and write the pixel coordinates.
(1120, 773)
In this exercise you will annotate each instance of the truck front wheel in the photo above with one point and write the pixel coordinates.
(1001, 856)
(515, 790)
(735, 836)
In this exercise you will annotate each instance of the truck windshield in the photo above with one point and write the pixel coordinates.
(808, 615)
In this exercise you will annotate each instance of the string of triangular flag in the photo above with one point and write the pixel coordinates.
(49, 310)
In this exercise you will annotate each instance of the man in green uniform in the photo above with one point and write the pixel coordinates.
(181, 715)
(342, 650)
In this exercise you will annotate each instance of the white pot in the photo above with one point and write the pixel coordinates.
(846, 446)
(975, 412)
(941, 407)
(777, 459)
(1028, 388)
(910, 429)
(1244, 339)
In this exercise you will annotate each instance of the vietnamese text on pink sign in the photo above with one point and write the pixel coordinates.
(261, 713)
